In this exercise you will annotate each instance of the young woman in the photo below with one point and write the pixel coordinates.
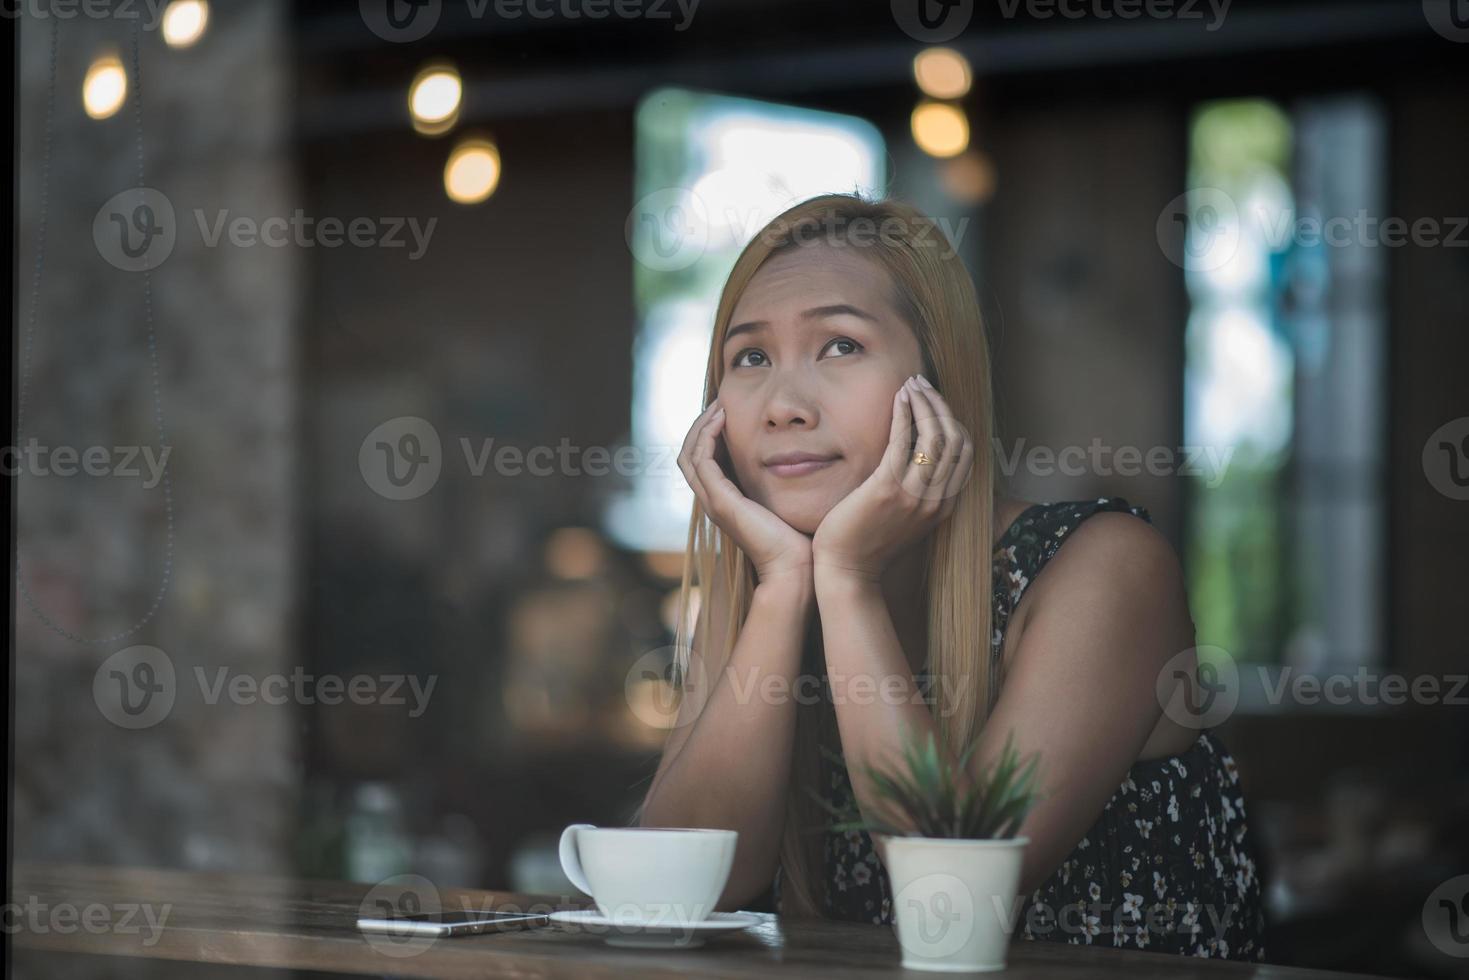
(889, 569)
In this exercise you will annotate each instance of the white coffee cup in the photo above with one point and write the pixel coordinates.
(649, 875)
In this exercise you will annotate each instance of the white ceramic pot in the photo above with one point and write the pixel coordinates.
(954, 901)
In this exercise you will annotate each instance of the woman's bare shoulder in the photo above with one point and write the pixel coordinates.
(1112, 567)
(1111, 553)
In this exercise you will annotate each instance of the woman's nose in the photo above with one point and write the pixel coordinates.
(789, 399)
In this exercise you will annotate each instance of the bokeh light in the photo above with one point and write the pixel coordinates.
(105, 87)
(940, 129)
(942, 73)
(473, 171)
(184, 22)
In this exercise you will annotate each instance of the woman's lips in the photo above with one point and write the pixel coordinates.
(800, 469)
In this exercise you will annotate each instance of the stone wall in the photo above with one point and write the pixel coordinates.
(201, 785)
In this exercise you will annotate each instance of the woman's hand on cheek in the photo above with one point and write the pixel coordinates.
(777, 550)
(901, 501)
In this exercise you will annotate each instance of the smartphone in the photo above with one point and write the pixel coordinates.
(452, 922)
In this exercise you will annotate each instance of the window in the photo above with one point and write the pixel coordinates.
(711, 171)
(1285, 368)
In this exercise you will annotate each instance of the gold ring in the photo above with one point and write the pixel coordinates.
(921, 458)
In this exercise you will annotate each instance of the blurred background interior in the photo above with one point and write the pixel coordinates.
(580, 187)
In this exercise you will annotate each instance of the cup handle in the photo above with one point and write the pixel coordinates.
(570, 862)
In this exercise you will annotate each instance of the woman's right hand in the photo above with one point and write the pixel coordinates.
(775, 548)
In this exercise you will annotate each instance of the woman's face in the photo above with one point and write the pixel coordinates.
(813, 357)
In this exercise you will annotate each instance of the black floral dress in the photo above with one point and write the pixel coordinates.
(1168, 866)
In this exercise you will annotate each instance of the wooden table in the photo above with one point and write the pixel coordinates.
(291, 923)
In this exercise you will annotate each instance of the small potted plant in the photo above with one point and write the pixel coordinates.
(951, 853)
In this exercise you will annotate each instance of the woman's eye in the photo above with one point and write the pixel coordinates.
(750, 350)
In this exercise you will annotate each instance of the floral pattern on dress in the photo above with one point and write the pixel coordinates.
(1169, 865)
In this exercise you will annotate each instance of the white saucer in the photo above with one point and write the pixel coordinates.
(659, 936)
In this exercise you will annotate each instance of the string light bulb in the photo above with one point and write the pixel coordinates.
(942, 73)
(473, 171)
(434, 98)
(184, 22)
(940, 129)
(105, 87)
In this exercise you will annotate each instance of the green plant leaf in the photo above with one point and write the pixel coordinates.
(924, 792)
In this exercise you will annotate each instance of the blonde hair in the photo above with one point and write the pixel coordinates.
(934, 294)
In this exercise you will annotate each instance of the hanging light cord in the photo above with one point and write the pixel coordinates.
(152, 344)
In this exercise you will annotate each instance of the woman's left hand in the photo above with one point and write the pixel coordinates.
(902, 500)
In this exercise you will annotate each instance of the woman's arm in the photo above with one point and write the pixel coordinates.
(1102, 620)
(729, 766)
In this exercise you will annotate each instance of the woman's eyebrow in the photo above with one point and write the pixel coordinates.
(815, 313)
